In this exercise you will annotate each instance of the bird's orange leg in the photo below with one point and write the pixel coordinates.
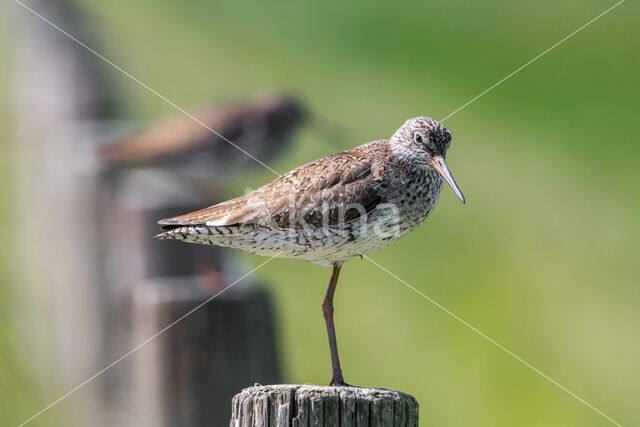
(327, 310)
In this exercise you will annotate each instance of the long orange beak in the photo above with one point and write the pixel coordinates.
(441, 167)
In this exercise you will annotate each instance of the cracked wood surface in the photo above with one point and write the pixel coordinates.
(309, 405)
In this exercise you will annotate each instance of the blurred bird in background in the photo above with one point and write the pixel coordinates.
(262, 127)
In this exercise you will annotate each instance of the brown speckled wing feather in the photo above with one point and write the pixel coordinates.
(318, 193)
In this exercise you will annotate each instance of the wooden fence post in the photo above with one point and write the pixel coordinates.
(187, 375)
(308, 405)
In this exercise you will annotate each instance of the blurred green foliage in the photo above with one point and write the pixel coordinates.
(544, 256)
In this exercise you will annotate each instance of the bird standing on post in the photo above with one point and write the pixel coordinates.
(333, 209)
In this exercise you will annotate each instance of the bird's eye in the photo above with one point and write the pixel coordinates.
(417, 138)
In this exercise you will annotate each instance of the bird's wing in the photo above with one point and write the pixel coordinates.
(341, 187)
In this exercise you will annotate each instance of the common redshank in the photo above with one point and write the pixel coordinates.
(333, 209)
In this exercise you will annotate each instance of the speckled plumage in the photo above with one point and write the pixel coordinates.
(335, 208)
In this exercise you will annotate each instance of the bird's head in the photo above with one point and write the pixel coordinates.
(286, 110)
(425, 141)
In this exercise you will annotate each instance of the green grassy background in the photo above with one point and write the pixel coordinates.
(544, 256)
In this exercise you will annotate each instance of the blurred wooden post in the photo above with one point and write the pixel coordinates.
(188, 374)
(57, 85)
(306, 405)
(224, 345)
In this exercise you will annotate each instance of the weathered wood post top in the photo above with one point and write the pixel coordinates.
(309, 405)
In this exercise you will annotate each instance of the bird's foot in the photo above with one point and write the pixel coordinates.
(339, 382)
